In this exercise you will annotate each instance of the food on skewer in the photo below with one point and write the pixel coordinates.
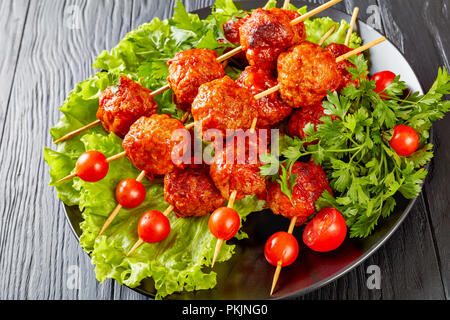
(120, 106)
(150, 144)
(237, 170)
(310, 183)
(188, 70)
(305, 73)
(92, 166)
(270, 109)
(222, 104)
(191, 192)
(267, 33)
(281, 250)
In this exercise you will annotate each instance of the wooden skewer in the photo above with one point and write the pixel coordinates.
(279, 266)
(352, 26)
(220, 241)
(117, 209)
(140, 242)
(314, 12)
(327, 35)
(286, 4)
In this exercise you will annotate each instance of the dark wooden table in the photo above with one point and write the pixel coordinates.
(47, 46)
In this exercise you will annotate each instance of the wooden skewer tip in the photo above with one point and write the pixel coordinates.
(217, 251)
(135, 247)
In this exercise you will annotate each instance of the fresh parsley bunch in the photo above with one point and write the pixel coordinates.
(365, 173)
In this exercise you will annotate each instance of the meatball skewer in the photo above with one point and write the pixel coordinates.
(235, 180)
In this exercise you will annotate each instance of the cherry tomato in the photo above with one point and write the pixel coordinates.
(326, 232)
(405, 140)
(224, 223)
(130, 193)
(382, 80)
(281, 247)
(92, 166)
(153, 227)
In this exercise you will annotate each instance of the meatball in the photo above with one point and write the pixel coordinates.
(119, 107)
(266, 34)
(270, 109)
(311, 182)
(192, 192)
(152, 147)
(301, 117)
(188, 70)
(221, 105)
(347, 79)
(237, 168)
(231, 32)
(305, 73)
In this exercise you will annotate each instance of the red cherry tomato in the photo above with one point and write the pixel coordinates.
(405, 140)
(382, 80)
(92, 166)
(224, 223)
(281, 247)
(326, 232)
(130, 193)
(153, 227)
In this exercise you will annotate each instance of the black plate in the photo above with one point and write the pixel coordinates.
(247, 275)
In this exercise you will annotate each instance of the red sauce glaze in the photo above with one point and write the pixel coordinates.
(338, 50)
(311, 183)
(301, 117)
(188, 70)
(231, 32)
(305, 73)
(236, 168)
(119, 107)
(266, 34)
(149, 144)
(271, 109)
(192, 192)
(221, 105)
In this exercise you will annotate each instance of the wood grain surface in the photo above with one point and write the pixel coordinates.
(49, 45)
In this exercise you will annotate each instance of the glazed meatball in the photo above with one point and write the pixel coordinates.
(150, 144)
(301, 117)
(305, 73)
(266, 34)
(222, 104)
(347, 79)
(119, 107)
(237, 168)
(311, 183)
(270, 109)
(188, 70)
(192, 192)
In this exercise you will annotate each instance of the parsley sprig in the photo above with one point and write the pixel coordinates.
(366, 175)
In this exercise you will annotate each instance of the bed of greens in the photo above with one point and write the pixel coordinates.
(362, 169)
